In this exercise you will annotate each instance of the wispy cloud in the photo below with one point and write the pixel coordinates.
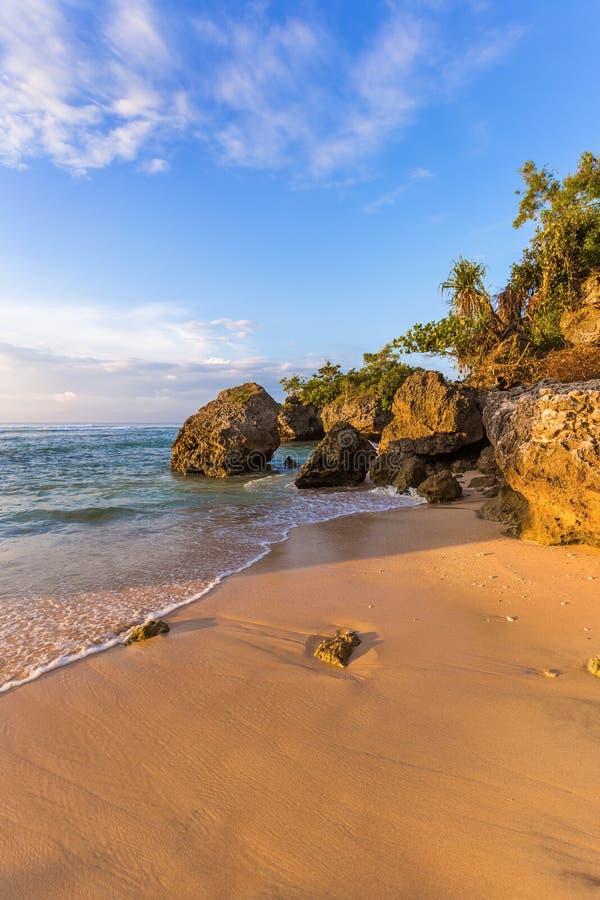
(87, 85)
(84, 92)
(391, 197)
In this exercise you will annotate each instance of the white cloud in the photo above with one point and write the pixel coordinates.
(156, 166)
(154, 333)
(86, 85)
(65, 397)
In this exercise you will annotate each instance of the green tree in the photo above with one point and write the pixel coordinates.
(565, 247)
(562, 252)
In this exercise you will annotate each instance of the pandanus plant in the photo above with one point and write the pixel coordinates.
(469, 297)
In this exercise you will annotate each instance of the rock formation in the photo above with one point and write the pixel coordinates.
(412, 472)
(233, 434)
(365, 412)
(546, 440)
(407, 460)
(442, 487)
(299, 421)
(491, 480)
(341, 458)
(582, 325)
(441, 416)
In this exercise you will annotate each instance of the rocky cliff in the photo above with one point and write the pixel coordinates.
(581, 326)
(233, 434)
(546, 440)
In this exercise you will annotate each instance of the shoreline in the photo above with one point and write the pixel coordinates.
(441, 762)
(167, 611)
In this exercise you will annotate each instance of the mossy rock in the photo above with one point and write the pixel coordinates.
(146, 631)
(241, 394)
(337, 650)
(594, 666)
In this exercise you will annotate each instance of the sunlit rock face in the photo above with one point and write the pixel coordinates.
(546, 440)
(581, 326)
(236, 433)
(442, 416)
(365, 413)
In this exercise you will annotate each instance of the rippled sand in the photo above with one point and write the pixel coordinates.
(223, 760)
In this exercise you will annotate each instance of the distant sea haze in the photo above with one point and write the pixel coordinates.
(96, 533)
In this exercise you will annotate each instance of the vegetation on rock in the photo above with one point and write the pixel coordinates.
(381, 375)
(524, 332)
(507, 336)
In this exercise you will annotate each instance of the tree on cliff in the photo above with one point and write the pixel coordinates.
(523, 320)
(381, 375)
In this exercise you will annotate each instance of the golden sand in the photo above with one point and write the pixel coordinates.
(224, 761)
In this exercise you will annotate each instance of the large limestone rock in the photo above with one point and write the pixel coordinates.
(546, 440)
(440, 415)
(233, 434)
(582, 325)
(342, 458)
(364, 412)
(299, 421)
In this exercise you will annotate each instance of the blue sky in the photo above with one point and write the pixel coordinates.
(198, 193)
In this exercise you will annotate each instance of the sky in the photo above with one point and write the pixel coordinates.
(195, 193)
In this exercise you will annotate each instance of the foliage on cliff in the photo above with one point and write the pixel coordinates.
(510, 333)
(381, 374)
(516, 334)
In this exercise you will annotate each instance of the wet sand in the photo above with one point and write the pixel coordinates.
(224, 761)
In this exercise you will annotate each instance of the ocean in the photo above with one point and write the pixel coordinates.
(97, 534)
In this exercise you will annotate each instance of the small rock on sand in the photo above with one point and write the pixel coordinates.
(338, 650)
(593, 666)
(148, 630)
(551, 673)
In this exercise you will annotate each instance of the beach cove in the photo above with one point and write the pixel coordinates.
(225, 761)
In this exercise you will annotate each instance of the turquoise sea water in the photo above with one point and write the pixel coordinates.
(96, 533)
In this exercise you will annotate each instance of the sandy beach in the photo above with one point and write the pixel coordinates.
(224, 761)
